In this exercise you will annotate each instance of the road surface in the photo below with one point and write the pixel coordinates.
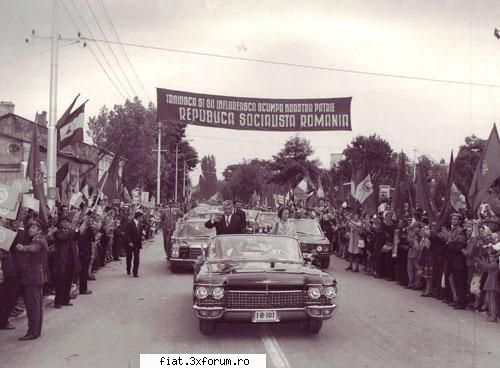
(378, 325)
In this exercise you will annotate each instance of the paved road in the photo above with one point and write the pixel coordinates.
(378, 324)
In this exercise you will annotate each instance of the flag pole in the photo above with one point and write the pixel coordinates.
(51, 127)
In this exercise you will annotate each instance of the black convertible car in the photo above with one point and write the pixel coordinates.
(260, 279)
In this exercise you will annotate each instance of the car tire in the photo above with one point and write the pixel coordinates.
(174, 268)
(207, 327)
(325, 262)
(312, 326)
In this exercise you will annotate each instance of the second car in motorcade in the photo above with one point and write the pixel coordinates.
(313, 241)
(188, 241)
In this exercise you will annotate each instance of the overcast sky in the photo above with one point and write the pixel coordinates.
(447, 40)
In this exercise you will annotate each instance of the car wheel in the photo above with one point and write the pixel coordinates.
(174, 268)
(312, 325)
(325, 262)
(207, 327)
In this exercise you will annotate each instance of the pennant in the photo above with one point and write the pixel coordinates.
(75, 200)
(9, 196)
(487, 170)
(457, 199)
(109, 184)
(71, 131)
(126, 196)
(36, 176)
(6, 238)
(454, 200)
(423, 197)
(9, 214)
(21, 184)
(320, 192)
(30, 202)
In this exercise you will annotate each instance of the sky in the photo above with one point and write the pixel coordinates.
(417, 39)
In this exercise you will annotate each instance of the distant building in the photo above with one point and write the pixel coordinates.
(16, 134)
(335, 158)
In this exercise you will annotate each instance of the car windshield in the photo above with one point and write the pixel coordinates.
(267, 217)
(254, 248)
(194, 229)
(307, 227)
(251, 214)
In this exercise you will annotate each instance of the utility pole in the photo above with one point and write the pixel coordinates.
(158, 166)
(184, 184)
(176, 169)
(51, 127)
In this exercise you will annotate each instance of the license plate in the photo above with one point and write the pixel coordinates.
(265, 316)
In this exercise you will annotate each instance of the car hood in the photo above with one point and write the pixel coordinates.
(313, 239)
(195, 242)
(261, 273)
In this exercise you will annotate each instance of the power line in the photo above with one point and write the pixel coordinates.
(123, 49)
(303, 66)
(110, 48)
(35, 54)
(92, 51)
(100, 50)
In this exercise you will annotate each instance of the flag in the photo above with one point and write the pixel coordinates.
(402, 189)
(71, 129)
(30, 202)
(6, 238)
(364, 189)
(126, 196)
(9, 196)
(61, 174)
(110, 181)
(76, 200)
(487, 170)
(84, 188)
(454, 200)
(36, 176)
(423, 197)
(320, 192)
(64, 117)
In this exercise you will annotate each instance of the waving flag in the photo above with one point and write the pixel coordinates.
(423, 196)
(36, 175)
(70, 131)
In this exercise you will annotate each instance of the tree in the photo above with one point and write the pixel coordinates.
(466, 162)
(134, 127)
(208, 177)
(242, 180)
(290, 165)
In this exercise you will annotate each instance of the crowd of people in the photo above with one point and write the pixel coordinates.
(456, 261)
(60, 255)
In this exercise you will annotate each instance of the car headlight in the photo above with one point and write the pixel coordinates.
(201, 292)
(331, 292)
(326, 249)
(218, 293)
(314, 292)
(175, 251)
(319, 248)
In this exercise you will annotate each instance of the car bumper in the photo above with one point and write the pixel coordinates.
(183, 262)
(323, 312)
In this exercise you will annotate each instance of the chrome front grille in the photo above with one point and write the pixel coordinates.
(194, 253)
(209, 302)
(262, 299)
(322, 300)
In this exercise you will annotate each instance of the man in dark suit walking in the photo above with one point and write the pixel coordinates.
(134, 235)
(32, 260)
(229, 223)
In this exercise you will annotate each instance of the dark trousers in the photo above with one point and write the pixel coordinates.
(133, 252)
(9, 291)
(63, 286)
(33, 297)
(401, 264)
(389, 266)
(460, 281)
(437, 275)
(117, 244)
(167, 242)
(84, 272)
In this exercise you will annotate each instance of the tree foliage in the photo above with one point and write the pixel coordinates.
(208, 177)
(466, 162)
(244, 179)
(292, 164)
(134, 127)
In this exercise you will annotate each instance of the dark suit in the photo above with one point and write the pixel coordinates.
(85, 248)
(134, 236)
(243, 220)
(33, 260)
(67, 264)
(221, 227)
(457, 263)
